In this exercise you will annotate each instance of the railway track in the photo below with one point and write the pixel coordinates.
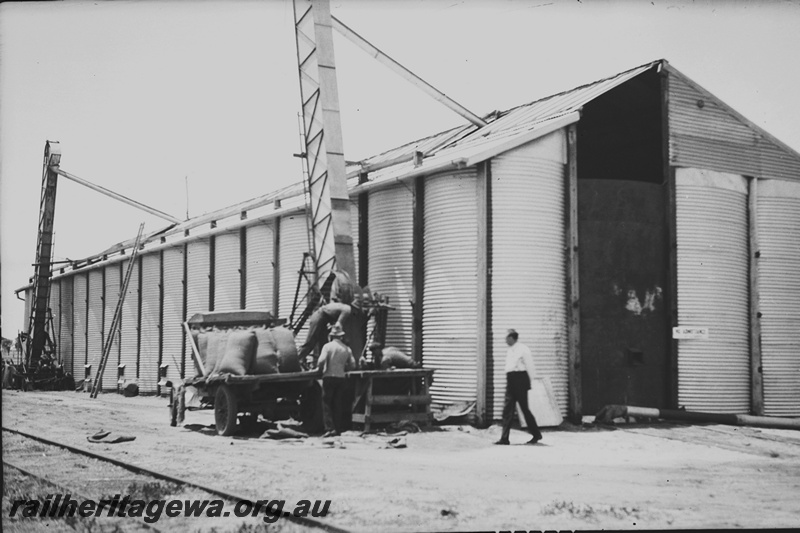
(88, 475)
(24, 480)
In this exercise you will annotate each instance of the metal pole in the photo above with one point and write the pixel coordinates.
(409, 76)
(116, 196)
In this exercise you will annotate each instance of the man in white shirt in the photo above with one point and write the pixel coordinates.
(519, 374)
(334, 361)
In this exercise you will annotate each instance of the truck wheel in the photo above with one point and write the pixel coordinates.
(225, 411)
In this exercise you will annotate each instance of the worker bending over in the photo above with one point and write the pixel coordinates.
(335, 313)
(336, 359)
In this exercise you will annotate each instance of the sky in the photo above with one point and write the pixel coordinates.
(152, 99)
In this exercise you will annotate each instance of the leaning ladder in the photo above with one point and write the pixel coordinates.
(117, 315)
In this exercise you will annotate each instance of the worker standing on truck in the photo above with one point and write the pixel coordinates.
(336, 359)
(519, 375)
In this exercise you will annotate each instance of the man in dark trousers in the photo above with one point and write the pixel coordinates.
(336, 359)
(519, 374)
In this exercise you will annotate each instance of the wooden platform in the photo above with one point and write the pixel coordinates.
(415, 406)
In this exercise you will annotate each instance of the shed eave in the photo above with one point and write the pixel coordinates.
(465, 156)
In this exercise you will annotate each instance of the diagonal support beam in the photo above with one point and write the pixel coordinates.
(406, 74)
(116, 196)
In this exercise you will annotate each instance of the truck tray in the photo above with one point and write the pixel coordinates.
(230, 379)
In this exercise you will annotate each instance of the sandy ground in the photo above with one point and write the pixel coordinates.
(452, 478)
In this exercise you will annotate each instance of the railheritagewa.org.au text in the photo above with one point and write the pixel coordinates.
(64, 505)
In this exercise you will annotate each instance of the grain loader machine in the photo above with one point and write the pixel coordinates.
(323, 153)
(333, 294)
(41, 367)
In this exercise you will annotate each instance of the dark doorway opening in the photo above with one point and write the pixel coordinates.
(623, 248)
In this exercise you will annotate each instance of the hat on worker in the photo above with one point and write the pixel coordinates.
(512, 333)
(336, 331)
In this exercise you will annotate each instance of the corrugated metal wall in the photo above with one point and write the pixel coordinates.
(778, 222)
(528, 262)
(172, 327)
(198, 268)
(390, 258)
(149, 349)
(55, 308)
(713, 291)
(67, 318)
(113, 282)
(708, 136)
(449, 334)
(94, 330)
(293, 242)
(227, 277)
(197, 273)
(259, 268)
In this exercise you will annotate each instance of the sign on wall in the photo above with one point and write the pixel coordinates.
(688, 332)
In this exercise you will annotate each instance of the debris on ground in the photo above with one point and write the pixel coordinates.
(283, 432)
(289, 422)
(106, 437)
(397, 442)
(453, 411)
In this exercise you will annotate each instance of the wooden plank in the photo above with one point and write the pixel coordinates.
(426, 384)
(160, 358)
(363, 238)
(671, 292)
(418, 268)
(672, 289)
(368, 405)
(415, 392)
(139, 315)
(360, 391)
(756, 376)
(482, 328)
(398, 373)
(185, 307)
(243, 268)
(417, 399)
(276, 278)
(212, 278)
(574, 310)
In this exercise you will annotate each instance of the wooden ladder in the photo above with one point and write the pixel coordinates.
(117, 316)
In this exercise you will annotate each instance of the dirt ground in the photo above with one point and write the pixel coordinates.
(451, 478)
